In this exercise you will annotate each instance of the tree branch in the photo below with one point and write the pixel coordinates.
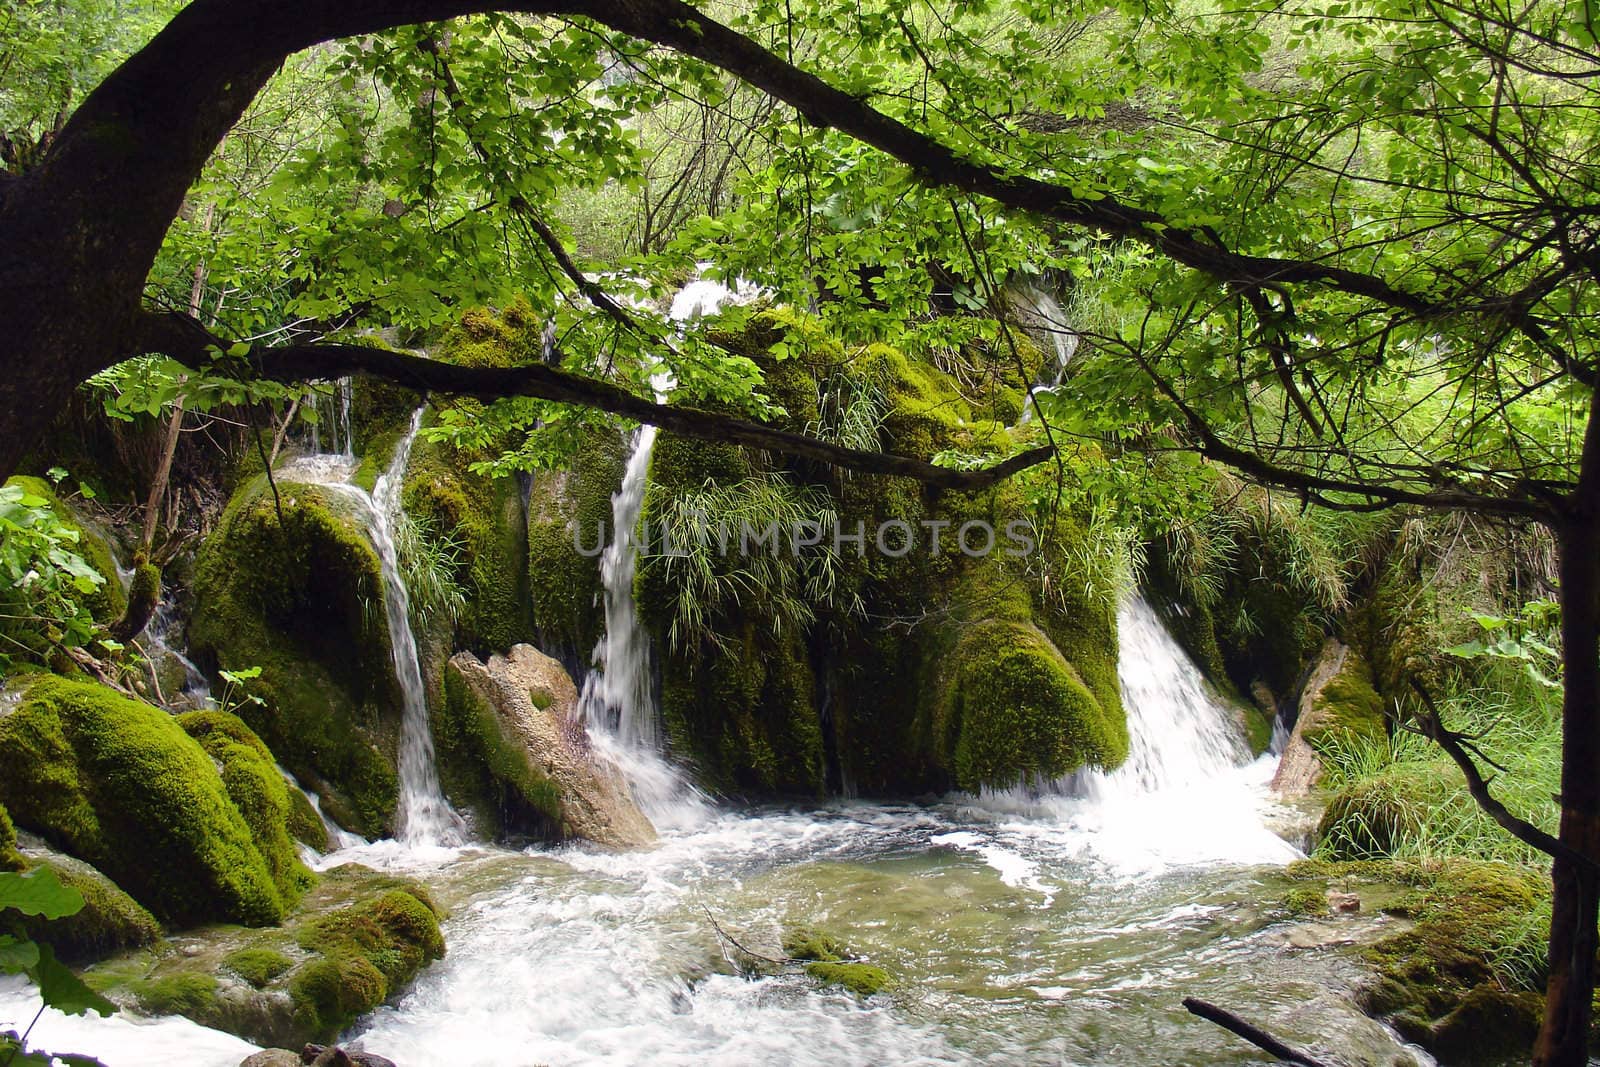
(186, 341)
(1455, 745)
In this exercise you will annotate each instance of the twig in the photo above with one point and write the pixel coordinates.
(729, 938)
(1255, 1035)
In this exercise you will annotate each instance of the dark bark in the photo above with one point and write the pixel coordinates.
(1575, 909)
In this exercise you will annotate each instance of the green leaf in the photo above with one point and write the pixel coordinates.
(39, 892)
(17, 956)
(65, 991)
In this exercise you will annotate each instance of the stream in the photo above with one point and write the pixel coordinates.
(1020, 928)
(1061, 925)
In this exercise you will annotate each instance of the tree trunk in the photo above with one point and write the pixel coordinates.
(1564, 1038)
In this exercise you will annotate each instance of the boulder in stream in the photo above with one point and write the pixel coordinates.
(516, 715)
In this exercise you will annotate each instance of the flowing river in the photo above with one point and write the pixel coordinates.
(1019, 929)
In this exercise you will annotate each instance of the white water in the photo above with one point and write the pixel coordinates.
(425, 818)
(1053, 929)
(1189, 793)
(616, 705)
(1049, 320)
(334, 411)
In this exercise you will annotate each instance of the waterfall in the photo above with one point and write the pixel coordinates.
(1188, 793)
(616, 697)
(1048, 319)
(425, 817)
(617, 705)
(1179, 734)
(335, 411)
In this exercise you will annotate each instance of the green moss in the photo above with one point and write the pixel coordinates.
(10, 858)
(807, 944)
(1306, 901)
(483, 769)
(356, 940)
(368, 951)
(301, 598)
(484, 338)
(1348, 708)
(257, 789)
(1452, 981)
(486, 515)
(567, 509)
(120, 785)
(1018, 710)
(258, 966)
(862, 979)
(109, 921)
(191, 995)
(304, 824)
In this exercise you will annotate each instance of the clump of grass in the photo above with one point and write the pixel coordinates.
(430, 562)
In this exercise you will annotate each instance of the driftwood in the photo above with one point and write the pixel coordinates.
(1255, 1035)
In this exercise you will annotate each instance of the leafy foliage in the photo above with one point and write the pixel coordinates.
(43, 579)
(40, 893)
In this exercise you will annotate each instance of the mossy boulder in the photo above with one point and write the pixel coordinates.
(356, 940)
(512, 726)
(120, 785)
(300, 596)
(1017, 709)
(257, 789)
(828, 961)
(914, 671)
(569, 523)
(10, 858)
(1338, 709)
(485, 517)
(1444, 984)
(110, 920)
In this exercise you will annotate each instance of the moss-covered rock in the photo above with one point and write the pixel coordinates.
(863, 979)
(485, 516)
(10, 858)
(569, 523)
(301, 597)
(258, 966)
(970, 672)
(119, 784)
(485, 769)
(257, 789)
(110, 920)
(1454, 980)
(513, 729)
(1017, 709)
(357, 939)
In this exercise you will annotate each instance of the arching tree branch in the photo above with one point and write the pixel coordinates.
(187, 341)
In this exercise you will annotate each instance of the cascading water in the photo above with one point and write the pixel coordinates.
(1049, 320)
(616, 704)
(425, 817)
(1188, 793)
(334, 411)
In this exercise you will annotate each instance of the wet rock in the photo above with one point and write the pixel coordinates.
(272, 1057)
(357, 940)
(1343, 902)
(521, 709)
(333, 1056)
(1338, 698)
